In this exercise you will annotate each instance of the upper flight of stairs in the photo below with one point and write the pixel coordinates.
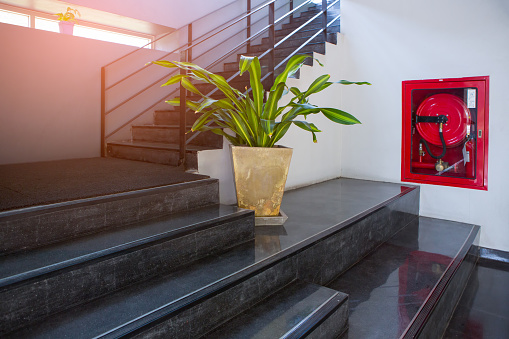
(159, 143)
(208, 272)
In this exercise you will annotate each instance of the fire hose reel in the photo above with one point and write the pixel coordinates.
(440, 143)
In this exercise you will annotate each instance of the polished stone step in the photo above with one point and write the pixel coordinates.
(331, 226)
(298, 310)
(295, 42)
(170, 134)
(155, 152)
(408, 287)
(305, 32)
(41, 225)
(41, 282)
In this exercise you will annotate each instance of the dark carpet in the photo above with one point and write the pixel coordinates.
(30, 184)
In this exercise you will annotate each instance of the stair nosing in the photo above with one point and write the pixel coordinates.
(27, 211)
(14, 280)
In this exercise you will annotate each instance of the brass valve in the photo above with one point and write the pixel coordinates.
(441, 165)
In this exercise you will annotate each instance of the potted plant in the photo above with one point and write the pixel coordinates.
(254, 125)
(67, 20)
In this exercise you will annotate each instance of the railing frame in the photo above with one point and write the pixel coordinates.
(186, 55)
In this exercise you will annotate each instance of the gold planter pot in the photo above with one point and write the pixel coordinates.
(260, 177)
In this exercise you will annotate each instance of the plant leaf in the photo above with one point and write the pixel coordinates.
(293, 65)
(339, 116)
(346, 82)
(174, 79)
(307, 126)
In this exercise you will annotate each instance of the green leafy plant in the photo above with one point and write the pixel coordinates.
(254, 121)
(69, 15)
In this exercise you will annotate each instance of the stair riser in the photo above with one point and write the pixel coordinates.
(315, 24)
(295, 42)
(61, 290)
(173, 118)
(196, 321)
(158, 156)
(32, 229)
(306, 32)
(239, 82)
(334, 326)
(231, 66)
(319, 262)
(282, 53)
(298, 21)
(172, 136)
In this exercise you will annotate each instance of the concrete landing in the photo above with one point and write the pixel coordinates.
(41, 183)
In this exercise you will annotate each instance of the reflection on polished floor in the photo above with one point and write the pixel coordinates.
(483, 311)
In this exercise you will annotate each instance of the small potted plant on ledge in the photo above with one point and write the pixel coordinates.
(254, 125)
(67, 20)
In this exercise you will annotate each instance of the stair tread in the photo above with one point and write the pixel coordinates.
(159, 145)
(18, 267)
(390, 285)
(290, 311)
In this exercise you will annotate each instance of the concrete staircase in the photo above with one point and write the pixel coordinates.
(158, 143)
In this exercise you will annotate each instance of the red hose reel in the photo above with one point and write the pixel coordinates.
(443, 124)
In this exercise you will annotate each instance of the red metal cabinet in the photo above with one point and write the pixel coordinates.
(445, 132)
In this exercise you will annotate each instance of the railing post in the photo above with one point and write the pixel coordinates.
(182, 120)
(190, 42)
(324, 19)
(103, 112)
(291, 9)
(272, 41)
(248, 30)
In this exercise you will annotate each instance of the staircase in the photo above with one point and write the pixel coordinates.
(159, 142)
(190, 268)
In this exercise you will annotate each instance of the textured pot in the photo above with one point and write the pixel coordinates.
(260, 177)
(66, 27)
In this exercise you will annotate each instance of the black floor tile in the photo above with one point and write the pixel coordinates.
(483, 311)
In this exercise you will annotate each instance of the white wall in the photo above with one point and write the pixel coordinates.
(50, 103)
(389, 41)
(311, 162)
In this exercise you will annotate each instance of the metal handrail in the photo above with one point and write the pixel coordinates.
(186, 52)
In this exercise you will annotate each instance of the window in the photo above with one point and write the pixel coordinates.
(14, 18)
(104, 35)
(48, 24)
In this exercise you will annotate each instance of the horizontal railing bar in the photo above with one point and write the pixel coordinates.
(138, 93)
(140, 114)
(291, 12)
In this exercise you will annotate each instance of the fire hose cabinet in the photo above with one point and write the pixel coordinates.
(445, 132)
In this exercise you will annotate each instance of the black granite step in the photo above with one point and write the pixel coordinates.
(37, 226)
(298, 310)
(306, 31)
(330, 227)
(296, 41)
(170, 134)
(410, 285)
(38, 283)
(159, 153)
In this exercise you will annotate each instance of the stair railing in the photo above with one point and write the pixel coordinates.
(186, 50)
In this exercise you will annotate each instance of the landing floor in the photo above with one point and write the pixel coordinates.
(30, 184)
(483, 311)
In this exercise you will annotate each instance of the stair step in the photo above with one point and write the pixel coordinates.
(159, 153)
(411, 283)
(281, 53)
(90, 267)
(123, 197)
(171, 134)
(298, 310)
(239, 82)
(287, 45)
